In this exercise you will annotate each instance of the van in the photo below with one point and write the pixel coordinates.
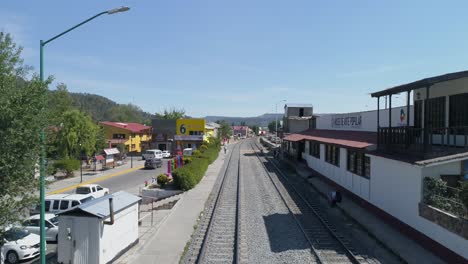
(152, 154)
(60, 202)
(188, 152)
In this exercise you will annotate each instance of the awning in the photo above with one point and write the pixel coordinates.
(345, 138)
(100, 157)
(111, 151)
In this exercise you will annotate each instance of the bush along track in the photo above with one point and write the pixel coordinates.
(188, 176)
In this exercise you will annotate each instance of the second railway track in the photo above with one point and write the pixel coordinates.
(326, 243)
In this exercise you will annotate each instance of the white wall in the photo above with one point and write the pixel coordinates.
(396, 188)
(369, 119)
(457, 86)
(116, 237)
(355, 183)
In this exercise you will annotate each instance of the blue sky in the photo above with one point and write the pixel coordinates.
(238, 58)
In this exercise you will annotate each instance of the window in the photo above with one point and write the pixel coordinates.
(55, 206)
(367, 167)
(418, 114)
(332, 154)
(351, 161)
(99, 188)
(358, 163)
(314, 149)
(301, 112)
(436, 112)
(32, 222)
(64, 205)
(48, 225)
(47, 206)
(118, 136)
(458, 110)
(75, 203)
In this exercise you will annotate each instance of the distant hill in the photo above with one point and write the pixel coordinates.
(103, 109)
(262, 120)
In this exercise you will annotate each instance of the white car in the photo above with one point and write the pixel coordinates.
(19, 245)
(166, 154)
(51, 225)
(93, 189)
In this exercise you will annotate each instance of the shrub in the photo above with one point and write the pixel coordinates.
(187, 160)
(186, 177)
(203, 148)
(67, 166)
(162, 179)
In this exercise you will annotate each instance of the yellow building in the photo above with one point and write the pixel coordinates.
(211, 130)
(136, 137)
(190, 133)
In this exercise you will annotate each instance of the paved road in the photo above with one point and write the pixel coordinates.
(132, 181)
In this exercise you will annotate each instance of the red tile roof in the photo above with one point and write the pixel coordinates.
(346, 138)
(133, 127)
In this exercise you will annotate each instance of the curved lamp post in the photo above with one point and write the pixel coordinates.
(42, 163)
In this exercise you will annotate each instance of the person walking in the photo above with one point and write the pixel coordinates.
(224, 149)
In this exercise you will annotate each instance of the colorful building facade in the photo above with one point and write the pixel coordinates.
(136, 137)
(190, 133)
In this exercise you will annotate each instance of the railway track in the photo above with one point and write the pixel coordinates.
(217, 236)
(325, 242)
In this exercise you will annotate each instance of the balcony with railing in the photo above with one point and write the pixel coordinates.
(423, 142)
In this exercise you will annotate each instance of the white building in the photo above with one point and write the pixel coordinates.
(98, 231)
(383, 165)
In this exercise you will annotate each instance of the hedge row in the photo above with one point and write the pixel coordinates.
(190, 174)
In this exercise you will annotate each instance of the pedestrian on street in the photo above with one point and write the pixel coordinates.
(224, 149)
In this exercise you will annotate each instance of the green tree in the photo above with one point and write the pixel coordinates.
(127, 113)
(58, 102)
(225, 129)
(171, 114)
(22, 117)
(272, 126)
(77, 134)
(254, 129)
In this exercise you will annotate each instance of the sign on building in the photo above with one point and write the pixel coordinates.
(346, 121)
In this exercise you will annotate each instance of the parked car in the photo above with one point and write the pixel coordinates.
(51, 224)
(188, 152)
(153, 163)
(94, 189)
(166, 154)
(56, 203)
(152, 153)
(19, 244)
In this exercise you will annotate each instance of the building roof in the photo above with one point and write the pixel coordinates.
(239, 127)
(100, 207)
(421, 83)
(346, 138)
(111, 151)
(133, 127)
(298, 105)
(212, 125)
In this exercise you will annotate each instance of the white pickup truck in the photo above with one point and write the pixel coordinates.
(93, 189)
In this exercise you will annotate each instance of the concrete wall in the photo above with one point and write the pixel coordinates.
(396, 188)
(355, 183)
(368, 119)
(295, 126)
(120, 235)
(294, 111)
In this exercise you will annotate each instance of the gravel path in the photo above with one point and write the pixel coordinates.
(270, 234)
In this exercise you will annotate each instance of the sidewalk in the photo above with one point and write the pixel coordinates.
(168, 242)
(68, 184)
(398, 243)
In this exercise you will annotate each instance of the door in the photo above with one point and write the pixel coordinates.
(66, 237)
(301, 149)
(32, 226)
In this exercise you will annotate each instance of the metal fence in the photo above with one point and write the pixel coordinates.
(436, 193)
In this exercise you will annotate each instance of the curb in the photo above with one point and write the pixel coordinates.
(101, 178)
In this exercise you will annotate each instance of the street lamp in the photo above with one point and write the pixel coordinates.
(42, 163)
(81, 164)
(276, 116)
